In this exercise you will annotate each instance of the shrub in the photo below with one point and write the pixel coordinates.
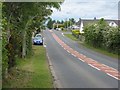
(4, 55)
(103, 36)
(76, 33)
(111, 38)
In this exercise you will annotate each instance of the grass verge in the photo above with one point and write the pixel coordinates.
(31, 72)
(64, 30)
(71, 37)
(100, 50)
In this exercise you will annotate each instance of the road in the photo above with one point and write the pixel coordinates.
(72, 71)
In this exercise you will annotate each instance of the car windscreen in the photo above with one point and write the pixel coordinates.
(36, 38)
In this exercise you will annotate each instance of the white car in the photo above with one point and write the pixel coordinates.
(38, 41)
(58, 29)
(38, 35)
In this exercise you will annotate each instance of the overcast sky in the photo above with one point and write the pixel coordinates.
(107, 9)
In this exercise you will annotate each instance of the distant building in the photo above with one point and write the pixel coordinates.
(83, 22)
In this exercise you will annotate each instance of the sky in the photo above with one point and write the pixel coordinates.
(85, 9)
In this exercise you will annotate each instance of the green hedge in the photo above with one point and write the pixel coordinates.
(76, 33)
(101, 35)
(4, 55)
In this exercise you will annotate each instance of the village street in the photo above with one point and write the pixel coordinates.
(71, 72)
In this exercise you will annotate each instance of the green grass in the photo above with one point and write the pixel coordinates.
(71, 37)
(0, 63)
(31, 72)
(100, 50)
(64, 30)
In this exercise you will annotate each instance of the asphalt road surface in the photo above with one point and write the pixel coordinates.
(72, 71)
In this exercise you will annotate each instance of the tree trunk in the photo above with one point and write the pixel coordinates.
(24, 45)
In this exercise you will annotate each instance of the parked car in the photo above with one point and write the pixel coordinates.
(38, 35)
(58, 29)
(37, 41)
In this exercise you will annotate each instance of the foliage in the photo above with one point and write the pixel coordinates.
(76, 33)
(71, 37)
(67, 24)
(4, 50)
(31, 72)
(20, 20)
(111, 39)
(50, 23)
(4, 54)
(58, 26)
(103, 36)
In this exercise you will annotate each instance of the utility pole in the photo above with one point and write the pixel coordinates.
(70, 23)
(57, 25)
(66, 24)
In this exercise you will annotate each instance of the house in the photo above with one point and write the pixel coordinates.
(83, 22)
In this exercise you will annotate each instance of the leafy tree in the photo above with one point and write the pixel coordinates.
(103, 36)
(62, 22)
(50, 24)
(19, 22)
(94, 33)
(111, 38)
(72, 20)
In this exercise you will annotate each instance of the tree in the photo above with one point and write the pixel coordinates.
(50, 24)
(94, 33)
(103, 36)
(20, 21)
(72, 20)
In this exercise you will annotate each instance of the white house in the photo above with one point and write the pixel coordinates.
(112, 24)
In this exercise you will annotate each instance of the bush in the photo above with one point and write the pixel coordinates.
(111, 38)
(61, 28)
(76, 33)
(4, 55)
(103, 36)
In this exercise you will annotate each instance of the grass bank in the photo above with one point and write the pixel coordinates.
(32, 72)
(100, 50)
(64, 30)
(71, 37)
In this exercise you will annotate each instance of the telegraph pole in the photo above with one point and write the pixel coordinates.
(66, 24)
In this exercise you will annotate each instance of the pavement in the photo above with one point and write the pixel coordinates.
(78, 67)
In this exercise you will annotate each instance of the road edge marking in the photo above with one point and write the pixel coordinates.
(94, 67)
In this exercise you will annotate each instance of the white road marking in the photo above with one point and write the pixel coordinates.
(76, 52)
(68, 51)
(113, 76)
(94, 67)
(65, 48)
(44, 45)
(62, 34)
(73, 55)
(90, 64)
(81, 60)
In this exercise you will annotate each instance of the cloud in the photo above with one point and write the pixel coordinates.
(87, 9)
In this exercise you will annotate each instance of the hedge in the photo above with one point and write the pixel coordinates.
(103, 36)
(76, 33)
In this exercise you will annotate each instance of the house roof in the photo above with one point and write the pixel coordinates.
(88, 21)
